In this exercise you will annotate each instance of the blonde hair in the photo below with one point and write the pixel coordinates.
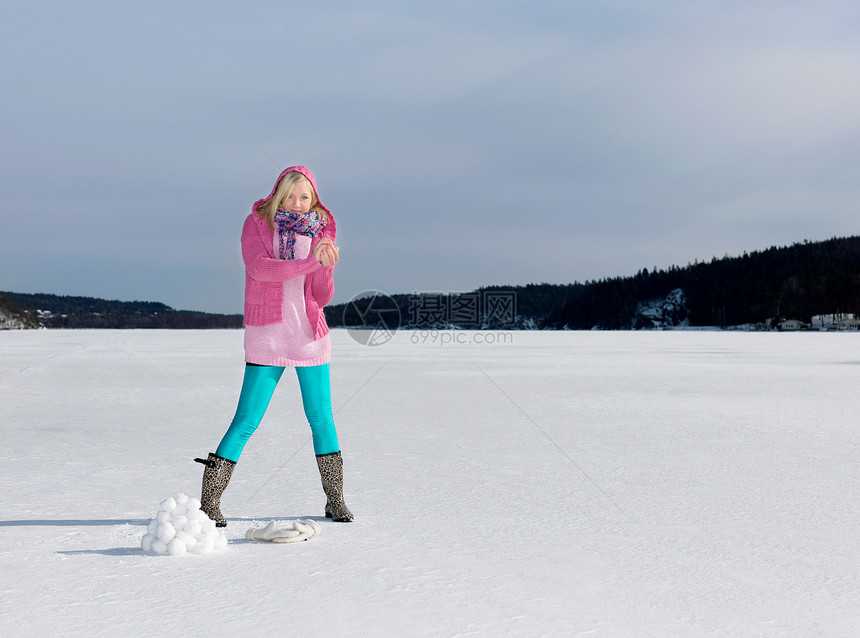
(268, 208)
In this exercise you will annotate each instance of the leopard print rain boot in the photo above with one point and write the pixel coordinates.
(216, 477)
(331, 473)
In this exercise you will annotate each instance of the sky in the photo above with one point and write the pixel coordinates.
(458, 144)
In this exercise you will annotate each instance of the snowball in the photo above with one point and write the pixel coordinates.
(158, 546)
(146, 542)
(179, 522)
(182, 499)
(176, 547)
(189, 540)
(194, 528)
(193, 504)
(220, 542)
(168, 505)
(153, 525)
(163, 517)
(166, 532)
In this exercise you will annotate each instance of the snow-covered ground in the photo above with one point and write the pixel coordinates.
(560, 484)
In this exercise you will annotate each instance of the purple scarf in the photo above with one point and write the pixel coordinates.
(292, 224)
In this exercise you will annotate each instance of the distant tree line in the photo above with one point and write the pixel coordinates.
(793, 282)
(796, 282)
(492, 307)
(58, 311)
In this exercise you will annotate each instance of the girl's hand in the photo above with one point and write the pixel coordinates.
(329, 256)
(326, 252)
(317, 248)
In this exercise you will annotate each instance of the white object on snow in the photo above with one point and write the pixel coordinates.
(302, 530)
(180, 526)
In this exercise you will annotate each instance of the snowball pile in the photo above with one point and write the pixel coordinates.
(181, 526)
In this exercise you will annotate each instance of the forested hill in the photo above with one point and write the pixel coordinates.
(794, 282)
(56, 311)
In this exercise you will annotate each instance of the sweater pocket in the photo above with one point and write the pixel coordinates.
(263, 302)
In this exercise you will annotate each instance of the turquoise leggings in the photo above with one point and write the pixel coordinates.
(257, 389)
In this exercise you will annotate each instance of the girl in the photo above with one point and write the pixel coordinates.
(289, 254)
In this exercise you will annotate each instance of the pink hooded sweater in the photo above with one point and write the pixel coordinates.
(267, 277)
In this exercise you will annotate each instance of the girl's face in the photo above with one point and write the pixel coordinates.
(299, 199)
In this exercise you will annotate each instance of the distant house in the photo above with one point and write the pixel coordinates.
(849, 324)
(831, 322)
(792, 324)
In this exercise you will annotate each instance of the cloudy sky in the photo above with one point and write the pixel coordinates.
(458, 144)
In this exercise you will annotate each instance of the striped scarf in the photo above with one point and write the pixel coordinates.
(292, 224)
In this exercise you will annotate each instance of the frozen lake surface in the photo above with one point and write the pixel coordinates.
(559, 484)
